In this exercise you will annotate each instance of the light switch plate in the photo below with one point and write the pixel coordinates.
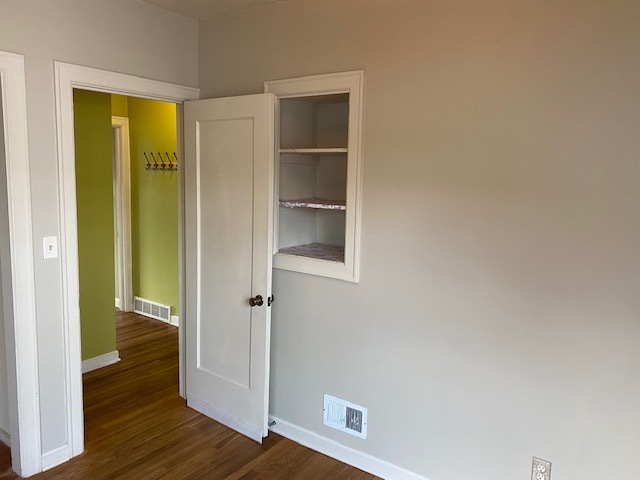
(50, 247)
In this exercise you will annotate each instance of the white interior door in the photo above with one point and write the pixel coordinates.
(229, 152)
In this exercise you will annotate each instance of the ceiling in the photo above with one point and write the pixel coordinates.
(203, 9)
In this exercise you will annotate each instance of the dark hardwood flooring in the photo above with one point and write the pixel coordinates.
(138, 427)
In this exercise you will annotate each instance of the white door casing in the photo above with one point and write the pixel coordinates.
(229, 172)
(122, 213)
(20, 327)
(68, 77)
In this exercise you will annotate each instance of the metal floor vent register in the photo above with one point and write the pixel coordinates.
(152, 309)
(345, 416)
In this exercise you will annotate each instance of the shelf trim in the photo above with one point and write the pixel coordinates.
(315, 151)
(316, 203)
(316, 251)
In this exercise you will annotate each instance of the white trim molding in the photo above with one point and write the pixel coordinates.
(348, 455)
(181, 266)
(68, 77)
(175, 320)
(100, 361)
(20, 328)
(55, 457)
(122, 194)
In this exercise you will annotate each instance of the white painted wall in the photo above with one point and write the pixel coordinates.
(5, 259)
(497, 315)
(119, 35)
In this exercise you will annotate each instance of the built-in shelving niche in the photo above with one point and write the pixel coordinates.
(318, 174)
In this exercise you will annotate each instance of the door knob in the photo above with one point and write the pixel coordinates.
(256, 301)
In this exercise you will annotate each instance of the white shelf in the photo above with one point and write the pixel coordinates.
(318, 251)
(315, 151)
(317, 203)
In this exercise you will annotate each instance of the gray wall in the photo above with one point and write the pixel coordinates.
(5, 257)
(497, 316)
(119, 35)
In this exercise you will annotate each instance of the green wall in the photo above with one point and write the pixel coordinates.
(154, 202)
(94, 192)
(119, 106)
(154, 210)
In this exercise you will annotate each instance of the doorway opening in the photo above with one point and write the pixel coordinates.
(69, 77)
(242, 164)
(127, 227)
(127, 215)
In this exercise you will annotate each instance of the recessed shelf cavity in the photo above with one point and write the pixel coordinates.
(320, 138)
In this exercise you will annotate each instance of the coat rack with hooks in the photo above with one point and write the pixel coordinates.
(157, 161)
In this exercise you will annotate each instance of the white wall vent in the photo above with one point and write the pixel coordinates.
(152, 309)
(345, 416)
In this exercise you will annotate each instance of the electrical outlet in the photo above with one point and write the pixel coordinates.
(540, 469)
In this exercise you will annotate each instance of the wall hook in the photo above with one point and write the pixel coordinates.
(159, 162)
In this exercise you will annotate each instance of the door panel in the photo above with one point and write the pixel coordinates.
(229, 147)
(228, 192)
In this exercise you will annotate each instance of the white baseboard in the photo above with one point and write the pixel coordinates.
(100, 361)
(5, 438)
(118, 304)
(175, 320)
(348, 455)
(55, 457)
(224, 418)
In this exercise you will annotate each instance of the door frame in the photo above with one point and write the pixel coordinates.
(21, 336)
(122, 210)
(68, 77)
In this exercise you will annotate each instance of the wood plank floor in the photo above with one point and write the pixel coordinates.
(137, 426)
